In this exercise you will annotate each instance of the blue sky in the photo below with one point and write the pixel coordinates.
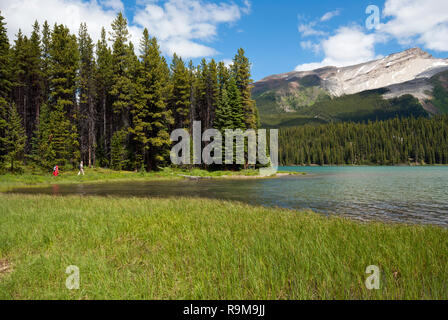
(278, 36)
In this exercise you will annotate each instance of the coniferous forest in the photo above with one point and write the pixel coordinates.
(65, 99)
(391, 142)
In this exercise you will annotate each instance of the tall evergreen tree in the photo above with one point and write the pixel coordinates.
(87, 97)
(151, 116)
(45, 48)
(15, 138)
(5, 62)
(223, 119)
(237, 110)
(61, 139)
(103, 86)
(241, 72)
(28, 85)
(180, 94)
(5, 85)
(122, 86)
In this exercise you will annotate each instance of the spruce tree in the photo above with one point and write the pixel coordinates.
(223, 78)
(28, 85)
(180, 94)
(35, 81)
(62, 114)
(5, 62)
(122, 86)
(151, 116)
(236, 106)
(5, 85)
(223, 118)
(212, 92)
(119, 156)
(103, 86)
(241, 72)
(15, 138)
(45, 48)
(87, 97)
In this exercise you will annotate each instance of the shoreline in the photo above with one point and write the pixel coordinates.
(93, 176)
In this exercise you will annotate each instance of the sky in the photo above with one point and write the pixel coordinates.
(278, 36)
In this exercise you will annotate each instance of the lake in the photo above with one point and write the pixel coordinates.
(396, 194)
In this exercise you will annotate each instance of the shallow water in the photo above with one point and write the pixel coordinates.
(400, 194)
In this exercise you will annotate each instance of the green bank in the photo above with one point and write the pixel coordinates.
(206, 249)
(32, 177)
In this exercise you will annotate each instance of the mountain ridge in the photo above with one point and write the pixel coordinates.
(404, 73)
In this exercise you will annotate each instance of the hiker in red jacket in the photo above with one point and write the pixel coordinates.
(56, 171)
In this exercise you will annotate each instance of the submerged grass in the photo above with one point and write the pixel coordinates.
(208, 249)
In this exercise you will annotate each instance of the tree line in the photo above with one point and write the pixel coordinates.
(65, 99)
(396, 141)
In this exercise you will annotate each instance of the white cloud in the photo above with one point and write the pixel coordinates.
(410, 22)
(21, 14)
(348, 46)
(186, 48)
(309, 45)
(416, 21)
(180, 25)
(116, 5)
(329, 15)
(308, 30)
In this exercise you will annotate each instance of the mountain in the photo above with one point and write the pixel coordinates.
(399, 84)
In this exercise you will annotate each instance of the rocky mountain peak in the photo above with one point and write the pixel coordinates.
(405, 72)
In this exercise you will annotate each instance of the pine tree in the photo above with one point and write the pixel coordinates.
(241, 72)
(5, 62)
(20, 71)
(28, 85)
(15, 138)
(45, 49)
(119, 157)
(151, 116)
(36, 83)
(5, 85)
(223, 118)
(60, 126)
(212, 92)
(180, 99)
(223, 78)
(87, 97)
(122, 86)
(236, 106)
(103, 84)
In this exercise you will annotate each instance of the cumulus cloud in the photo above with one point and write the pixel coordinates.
(182, 26)
(21, 14)
(415, 21)
(410, 22)
(349, 46)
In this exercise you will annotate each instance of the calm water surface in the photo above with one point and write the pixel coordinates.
(401, 194)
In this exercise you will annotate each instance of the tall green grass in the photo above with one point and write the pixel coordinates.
(206, 249)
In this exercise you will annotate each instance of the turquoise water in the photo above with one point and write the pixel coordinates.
(399, 194)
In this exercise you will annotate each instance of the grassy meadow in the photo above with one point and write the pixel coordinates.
(207, 249)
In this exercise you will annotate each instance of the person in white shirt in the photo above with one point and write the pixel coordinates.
(81, 168)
